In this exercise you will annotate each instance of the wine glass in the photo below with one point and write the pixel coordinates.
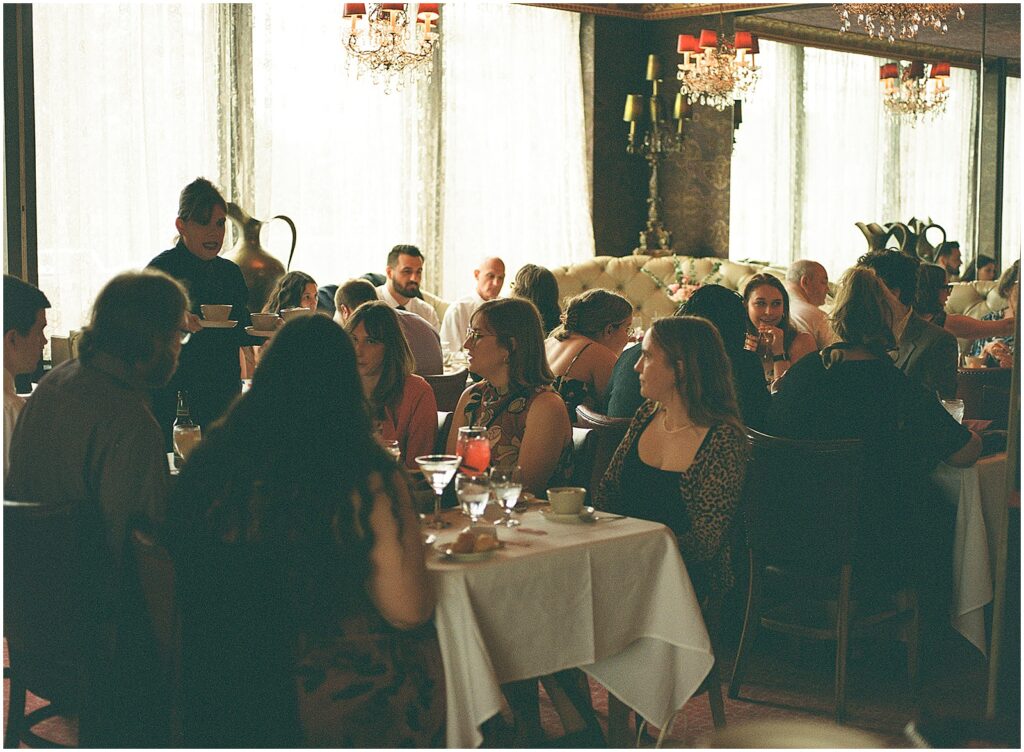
(475, 449)
(438, 469)
(474, 494)
(507, 484)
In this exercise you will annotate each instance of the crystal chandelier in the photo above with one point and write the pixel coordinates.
(393, 42)
(715, 72)
(915, 90)
(890, 20)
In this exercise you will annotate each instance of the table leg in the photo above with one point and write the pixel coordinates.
(618, 723)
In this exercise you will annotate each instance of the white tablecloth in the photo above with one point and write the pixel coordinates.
(612, 598)
(980, 496)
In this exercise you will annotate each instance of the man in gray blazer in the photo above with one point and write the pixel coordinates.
(925, 352)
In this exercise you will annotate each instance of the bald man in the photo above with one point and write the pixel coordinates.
(490, 277)
(807, 284)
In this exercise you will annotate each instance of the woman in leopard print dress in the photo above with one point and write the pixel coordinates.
(683, 458)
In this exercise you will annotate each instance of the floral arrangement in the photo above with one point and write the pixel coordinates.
(687, 282)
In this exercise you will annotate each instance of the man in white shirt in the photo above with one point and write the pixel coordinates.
(807, 284)
(24, 321)
(490, 277)
(401, 290)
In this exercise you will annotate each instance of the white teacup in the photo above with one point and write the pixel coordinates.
(567, 499)
(265, 322)
(215, 312)
(974, 361)
(294, 313)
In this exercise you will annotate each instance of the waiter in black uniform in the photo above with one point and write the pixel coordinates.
(209, 368)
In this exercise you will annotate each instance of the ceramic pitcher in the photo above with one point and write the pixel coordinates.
(260, 269)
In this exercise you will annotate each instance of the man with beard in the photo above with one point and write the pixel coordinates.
(402, 288)
(87, 439)
(87, 433)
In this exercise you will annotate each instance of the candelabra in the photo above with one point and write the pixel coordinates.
(658, 139)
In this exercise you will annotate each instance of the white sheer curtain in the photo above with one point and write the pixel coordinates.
(360, 171)
(340, 157)
(762, 213)
(1011, 175)
(125, 103)
(830, 156)
(515, 181)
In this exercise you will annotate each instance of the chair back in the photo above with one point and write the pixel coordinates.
(448, 387)
(608, 433)
(60, 349)
(444, 427)
(801, 500)
(970, 385)
(584, 444)
(59, 593)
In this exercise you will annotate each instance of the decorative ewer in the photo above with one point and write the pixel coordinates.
(260, 269)
(911, 238)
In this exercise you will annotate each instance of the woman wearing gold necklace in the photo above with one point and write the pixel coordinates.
(682, 460)
(526, 420)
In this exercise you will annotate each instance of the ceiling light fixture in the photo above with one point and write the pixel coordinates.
(393, 42)
(903, 20)
(714, 71)
(915, 90)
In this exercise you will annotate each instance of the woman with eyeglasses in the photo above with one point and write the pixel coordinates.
(583, 350)
(402, 404)
(526, 420)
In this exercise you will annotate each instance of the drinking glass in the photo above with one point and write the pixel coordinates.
(392, 447)
(185, 439)
(475, 449)
(507, 485)
(438, 470)
(955, 407)
(474, 494)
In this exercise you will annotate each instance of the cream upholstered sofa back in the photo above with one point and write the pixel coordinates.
(627, 276)
(975, 299)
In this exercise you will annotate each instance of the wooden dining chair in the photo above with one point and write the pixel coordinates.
(448, 387)
(802, 500)
(970, 386)
(154, 570)
(608, 433)
(57, 606)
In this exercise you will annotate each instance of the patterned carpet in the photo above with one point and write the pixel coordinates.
(786, 682)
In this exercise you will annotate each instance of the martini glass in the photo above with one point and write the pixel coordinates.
(438, 469)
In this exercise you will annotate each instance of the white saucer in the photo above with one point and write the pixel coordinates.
(585, 515)
(258, 333)
(216, 324)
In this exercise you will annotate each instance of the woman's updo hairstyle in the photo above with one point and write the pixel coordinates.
(590, 312)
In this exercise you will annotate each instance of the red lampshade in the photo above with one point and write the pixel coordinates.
(354, 9)
(708, 39)
(392, 6)
(889, 70)
(916, 69)
(744, 40)
(940, 70)
(687, 43)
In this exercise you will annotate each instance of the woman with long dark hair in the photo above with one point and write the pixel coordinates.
(319, 523)
(682, 460)
(525, 418)
(538, 285)
(402, 404)
(293, 290)
(772, 335)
